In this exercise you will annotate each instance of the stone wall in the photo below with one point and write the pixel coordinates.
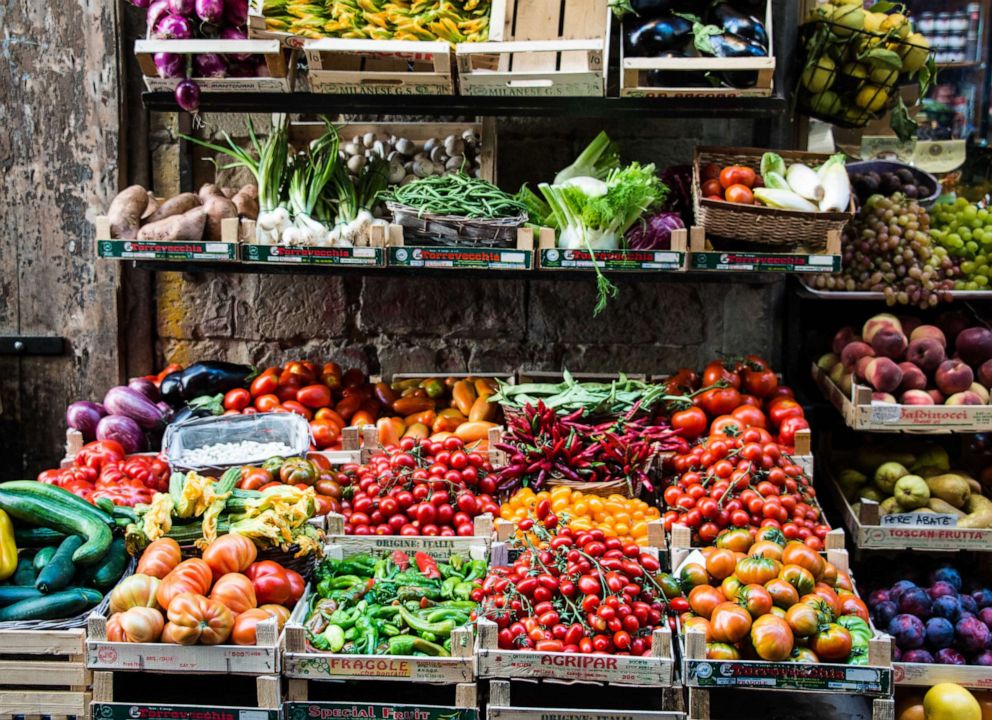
(394, 324)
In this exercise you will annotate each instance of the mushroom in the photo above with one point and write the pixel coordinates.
(454, 145)
(356, 163)
(368, 139)
(405, 147)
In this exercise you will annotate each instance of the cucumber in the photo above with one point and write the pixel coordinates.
(43, 557)
(40, 506)
(59, 570)
(56, 606)
(36, 537)
(111, 567)
(25, 573)
(11, 594)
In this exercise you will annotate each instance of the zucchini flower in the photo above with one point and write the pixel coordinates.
(157, 520)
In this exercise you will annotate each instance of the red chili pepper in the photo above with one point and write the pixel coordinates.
(427, 565)
(400, 559)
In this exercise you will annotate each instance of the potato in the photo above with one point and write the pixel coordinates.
(175, 206)
(217, 207)
(229, 192)
(125, 212)
(246, 202)
(207, 190)
(251, 190)
(187, 227)
(153, 205)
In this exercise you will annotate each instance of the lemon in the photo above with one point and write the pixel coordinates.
(873, 21)
(915, 51)
(847, 19)
(872, 98)
(855, 70)
(884, 76)
(820, 77)
(896, 22)
(827, 102)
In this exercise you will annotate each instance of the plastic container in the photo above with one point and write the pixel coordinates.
(924, 180)
(289, 429)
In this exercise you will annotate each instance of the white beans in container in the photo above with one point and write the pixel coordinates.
(233, 453)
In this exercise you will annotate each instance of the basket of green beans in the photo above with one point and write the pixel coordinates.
(457, 209)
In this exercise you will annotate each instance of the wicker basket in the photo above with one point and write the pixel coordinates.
(756, 223)
(458, 230)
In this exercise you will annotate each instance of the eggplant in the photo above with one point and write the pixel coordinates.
(131, 403)
(190, 413)
(203, 378)
(711, 41)
(84, 416)
(123, 430)
(679, 78)
(651, 38)
(144, 386)
(723, 15)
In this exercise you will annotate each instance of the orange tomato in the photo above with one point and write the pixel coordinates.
(758, 570)
(138, 625)
(721, 563)
(766, 548)
(701, 624)
(189, 576)
(737, 175)
(279, 612)
(325, 433)
(730, 587)
(832, 643)
(294, 407)
(135, 591)
(783, 594)
(363, 417)
(267, 402)
(712, 187)
(798, 577)
(159, 558)
(231, 553)
(852, 605)
(804, 619)
(729, 622)
(736, 539)
(199, 619)
(235, 592)
(330, 415)
(801, 554)
(245, 626)
(772, 638)
(755, 599)
(703, 598)
(739, 194)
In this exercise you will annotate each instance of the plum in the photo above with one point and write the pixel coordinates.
(982, 597)
(941, 588)
(974, 345)
(971, 634)
(950, 656)
(909, 631)
(947, 574)
(940, 633)
(877, 596)
(896, 591)
(916, 601)
(985, 615)
(917, 656)
(968, 604)
(983, 658)
(884, 612)
(947, 606)
(985, 374)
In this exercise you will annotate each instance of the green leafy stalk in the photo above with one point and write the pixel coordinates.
(597, 160)
(312, 172)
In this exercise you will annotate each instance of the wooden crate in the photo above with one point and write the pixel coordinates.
(457, 257)
(549, 48)
(926, 675)
(553, 258)
(729, 256)
(311, 699)
(224, 251)
(254, 252)
(860, 413)
(280, 67)
(380, 67)
(634, 72)
(705, 704)
(43, 672)
(556, 376)
(475, 546)
(582, 702)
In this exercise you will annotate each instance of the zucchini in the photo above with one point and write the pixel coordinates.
(57, 494)
(56, 606)
(39, 506)
(25, 573)
(111, 567)
(11, 594)
(59, 571)
(26, 537)
(43, 557)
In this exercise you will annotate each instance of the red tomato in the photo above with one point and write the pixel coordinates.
(760, 383)
(716, 371)
(325, 433)
(264, 384)
(314, 396)
(749, 415)
(787, 431)
(737, 175)
(832, 643)
(729, 623)
(691, 423)
(295, 407)
(711, 171)
(772, 638)
(784, 408)
(739, 194)
(271, 582)
(712, 187)
(237, 399)
(726, 425)
(97, 454)
(720, 401)
(267, 402)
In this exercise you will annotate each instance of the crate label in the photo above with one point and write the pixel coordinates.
(508, 85)
(138, 711)
(701, 93)
(363, 256)
(764, 262)
(374, 711)
(972, 676)
(558, 259)
(323, 665)
(568, 666)
(919, 519)
(526, 713)
(925, 538)
(177, 658)
(411, 544)
(223, 85)
(461, 258)
(931, 416)
(165, 250)
(397, 85)
(799, 676)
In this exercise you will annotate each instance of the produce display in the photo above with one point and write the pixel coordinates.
(301, 473)
(456, 21)
(668, 29)
(425, 487)
(781, 602)
(938, 621)
(595, 399)
(395, 604)
(615, 515)
(905, 361)
(943, 701)
(58, 555)
(577, 592)
(101, 470)
(964, 230)
(794, 187)
(217, 599)
(855, 61)
(456, 195)
(898, 180)
(410, 159)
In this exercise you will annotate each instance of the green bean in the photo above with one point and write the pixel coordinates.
(456, 194)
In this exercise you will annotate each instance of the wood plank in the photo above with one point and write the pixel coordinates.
(44, 703)
(21, 672)
(583, 19)
(43, 642)
(535, 20)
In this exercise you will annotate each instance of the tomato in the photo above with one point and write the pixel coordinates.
(97, 454)
(235, 592)
(159, 558)
(772, 638)
(693, 575)
(314, 396)
(798, 577)
(237, 399)
(690, 423)
(189, 576)
(295, 407)
(757, 570)
(296, 585)
(803, 655)
(721, 651)
(783, 594)
(231, 553)
(852, 605)
(788, 429)
(710, 171)
(716, 371)
(739, 194)
(760, 383)
(704, 598)
(712, 187)
(134, 591)
(726, 425)
(720, 401)
(738, 540)
(298, 470)
(737, 175)
(271, 583)
(755, 599)
(721, 564)
(804, 619)
(264, 384)
(797, 553)
(325, 433)
(199, 619)
(832, 643)
(782, 408)
(749, 415)
(136, 625)
(267, 402)
(730, 587)
(699, 623)
(729, 623)
(245, 626)
(766, 548)
(826, 594)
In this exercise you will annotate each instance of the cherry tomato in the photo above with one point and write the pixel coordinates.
(237, 399)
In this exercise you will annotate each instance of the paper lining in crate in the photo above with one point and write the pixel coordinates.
(280, 79)
(550, 48)
(757, 223)
(636, 71)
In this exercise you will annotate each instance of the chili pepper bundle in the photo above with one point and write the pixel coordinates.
(543, 446)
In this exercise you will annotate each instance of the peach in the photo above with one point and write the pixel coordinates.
(853, 352)
(929, 331)
(937, 396)
(847, 383)
(880, 397)
(953, 322)
(916, 397)
(964, 398)
(980, 391)
(878, 322)
(883, 374)
(842, 337)
(861, 367)
(985, 374)
(912, 377)
(953, 376)
(926, 353)
(974, 345)
(889, 343)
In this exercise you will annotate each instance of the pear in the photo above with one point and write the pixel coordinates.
(911, 492)
(951, 488)
(887, 474)
(889, 506)
(932, 455)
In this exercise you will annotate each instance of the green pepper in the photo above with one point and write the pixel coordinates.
(456, 561)
(439, 614)
(346, 618)
(379, 571)
(476, 569)
(449, 585)
(413, 592)
(390, 630)
(465, 606)
(409, 644)
(448, 572)
(332, 639)
(384, 612)
(463, 590)
(420, 625)
(368, 636)
(361, 564)
(429, 637)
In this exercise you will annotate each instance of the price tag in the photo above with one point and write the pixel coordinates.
(919, 519)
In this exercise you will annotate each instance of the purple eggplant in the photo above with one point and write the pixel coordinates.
(188, 95)
(140, 3)
(84, 416)
(723, 15)
(131, 403)
(652, 38)
(146, 387)
(236, 12)
(170, 65)
(157, 10)
(712, 40)
(209, 65)
(230, 32)
(173, 27)
(210, 11)
(122, 429)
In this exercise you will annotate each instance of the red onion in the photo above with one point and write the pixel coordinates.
(210, 11)
(262, 70)
(173, 27)
(170, 65)
(181, 7)
(209, 65)
(229, 32)
(188, 95)
(236, 12)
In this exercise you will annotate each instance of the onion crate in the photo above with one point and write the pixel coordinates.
(551, 257)
(550, 48)
(636, 72)
(861, 413)
(524, 700)
(720, 255)
(226, 250)
(380, 67)
(279, 80)
(457, 257)
(43, 673)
